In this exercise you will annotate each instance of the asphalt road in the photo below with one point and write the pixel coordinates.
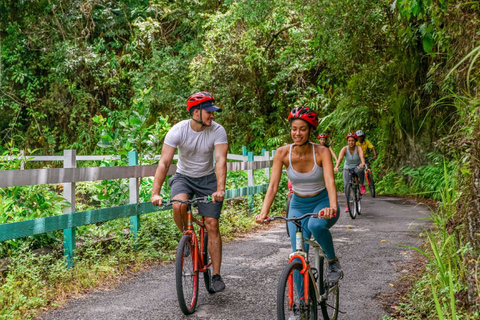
(367, 248)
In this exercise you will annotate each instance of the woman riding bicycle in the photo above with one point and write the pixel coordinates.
(353, 159)
(310, 170)
(322, 139)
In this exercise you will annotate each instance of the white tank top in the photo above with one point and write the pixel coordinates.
(308, 183)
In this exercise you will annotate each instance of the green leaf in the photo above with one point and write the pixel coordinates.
(427, 42)
(135, 121)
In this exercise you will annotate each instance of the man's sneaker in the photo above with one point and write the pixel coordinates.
(217, 283)
(335, 272)
(362, 189)
(346, 209)
(186, 251)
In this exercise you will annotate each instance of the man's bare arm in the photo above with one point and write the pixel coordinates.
(161, 172)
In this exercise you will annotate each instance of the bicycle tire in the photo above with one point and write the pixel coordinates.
(330, 293)
(186, 278)
(351, 202)
(371, 184)
(358, 200)
(283, 311)
(289, 199)
(207, 275)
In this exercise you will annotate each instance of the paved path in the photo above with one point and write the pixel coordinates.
(367, 248)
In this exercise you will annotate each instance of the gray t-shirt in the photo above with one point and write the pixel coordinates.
(195, 149)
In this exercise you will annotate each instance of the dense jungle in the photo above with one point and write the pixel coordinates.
(109, 76)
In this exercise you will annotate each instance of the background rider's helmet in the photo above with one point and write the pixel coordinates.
(353, 135)
(202, 100)
(360, 133)
(322, 135)
(305, 114)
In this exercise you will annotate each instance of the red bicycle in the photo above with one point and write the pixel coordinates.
(192, 258)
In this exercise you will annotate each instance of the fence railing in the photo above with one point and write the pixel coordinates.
(70, 174)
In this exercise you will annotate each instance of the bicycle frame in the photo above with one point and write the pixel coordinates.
(306, 269)
(367, 170)
(199, 266)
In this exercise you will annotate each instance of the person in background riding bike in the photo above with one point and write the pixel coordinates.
(197, 140)
(322, 138)
(353, 159)
(365, 145)
(310, 170)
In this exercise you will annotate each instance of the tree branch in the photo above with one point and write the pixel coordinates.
(279, 32)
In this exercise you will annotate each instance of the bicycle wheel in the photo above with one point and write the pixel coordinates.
(186, 277)
(351, 203)
(305, 310)
(371, 184)
(207, 275)
(289, 199)
(329, 292)
(358, 200)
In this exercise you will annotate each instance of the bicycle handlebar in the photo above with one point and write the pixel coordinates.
(205, 199)
(313, 214)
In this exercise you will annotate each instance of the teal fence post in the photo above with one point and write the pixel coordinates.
(69, 245)
(244, 151)
(133, 190)
(251, 181)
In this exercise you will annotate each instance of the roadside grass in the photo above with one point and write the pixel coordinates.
(440, 292)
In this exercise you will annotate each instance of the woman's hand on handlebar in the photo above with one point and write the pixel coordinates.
(261, 218)
(156, 200)
(327, 213)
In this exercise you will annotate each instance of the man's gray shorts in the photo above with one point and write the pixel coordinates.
(200, 187)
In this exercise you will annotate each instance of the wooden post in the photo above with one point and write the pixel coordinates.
(251, 181)
(22, 164)
(69, 244)
(133, 189)
(267, 158)
(244, 151)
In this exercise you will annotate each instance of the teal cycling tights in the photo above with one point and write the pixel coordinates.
(319, 228)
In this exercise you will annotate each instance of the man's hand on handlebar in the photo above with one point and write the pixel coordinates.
(218, 196)
(156, 200)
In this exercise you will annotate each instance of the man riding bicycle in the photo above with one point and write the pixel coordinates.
(197, 140)
(365, 145)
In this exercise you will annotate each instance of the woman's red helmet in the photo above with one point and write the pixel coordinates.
(322, 135)
(353, 135)
(305, 114)
(202, 99)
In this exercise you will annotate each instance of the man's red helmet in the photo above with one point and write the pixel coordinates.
(203, 100)
(353, 135)
(322, 135)
(305, 114)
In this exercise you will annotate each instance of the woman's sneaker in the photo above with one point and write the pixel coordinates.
(346, 209)
(217, 283)
(335, 272)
